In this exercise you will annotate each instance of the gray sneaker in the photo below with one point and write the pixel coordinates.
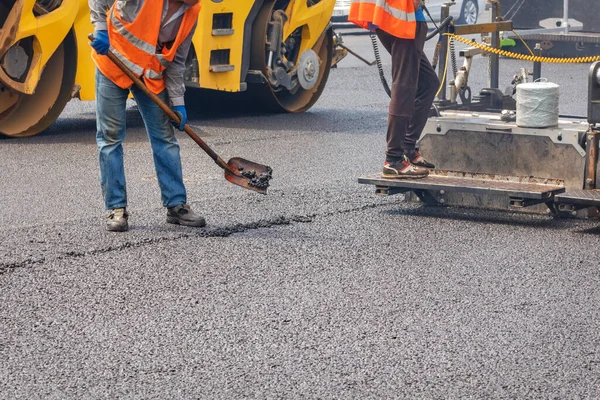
(117, 220)
(183, 215)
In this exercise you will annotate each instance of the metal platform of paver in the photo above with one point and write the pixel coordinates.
(524, 189)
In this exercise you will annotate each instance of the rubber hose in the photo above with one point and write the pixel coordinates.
(384, 82)
(440, 28)
(386, 87)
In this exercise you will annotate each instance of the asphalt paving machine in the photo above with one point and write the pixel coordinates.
(563, 28)
(279, 52)
(484, 158)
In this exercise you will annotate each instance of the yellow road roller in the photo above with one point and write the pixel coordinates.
(278, 51)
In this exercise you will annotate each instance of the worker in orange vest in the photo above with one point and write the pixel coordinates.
(401, 27)
(153, 39)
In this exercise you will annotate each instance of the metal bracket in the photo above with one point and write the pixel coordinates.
(519, 202)
(552, 207)
(592, 158)
(570, 208)
(255, 76)
(427, 197)
(389, 190)
(483, 28)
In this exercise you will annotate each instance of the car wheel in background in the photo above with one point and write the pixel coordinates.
(468, 12)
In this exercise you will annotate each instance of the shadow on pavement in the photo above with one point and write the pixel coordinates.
(508, 218)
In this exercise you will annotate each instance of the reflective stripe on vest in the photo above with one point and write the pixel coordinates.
(134, 40)
(141, 45)
(153, 74)
(394, 12)
(396, 17)
(135, 44)
(131, 38)
(163, 61)
(136, 69)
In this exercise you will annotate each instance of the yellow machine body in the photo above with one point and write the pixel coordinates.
(45, 55)
(48, 32)
(313, 20)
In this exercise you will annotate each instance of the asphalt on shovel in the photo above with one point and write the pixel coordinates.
(241, 172)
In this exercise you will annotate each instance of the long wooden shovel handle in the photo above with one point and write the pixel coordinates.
(170, 113)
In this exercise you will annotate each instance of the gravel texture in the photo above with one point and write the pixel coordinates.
(318, 290)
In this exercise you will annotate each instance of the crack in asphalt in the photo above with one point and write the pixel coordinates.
(221, 232)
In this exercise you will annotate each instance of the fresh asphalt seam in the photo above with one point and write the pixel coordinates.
(210, 233)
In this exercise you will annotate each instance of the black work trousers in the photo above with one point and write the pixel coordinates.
(414, 85)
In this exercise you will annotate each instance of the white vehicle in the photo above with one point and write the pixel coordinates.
(341, 10)
(465, 12)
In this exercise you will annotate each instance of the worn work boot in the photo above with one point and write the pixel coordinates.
(417, 159)
(403, 170)
(183, 215)
(117, 220)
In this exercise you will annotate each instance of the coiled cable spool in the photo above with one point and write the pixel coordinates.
(537, 104)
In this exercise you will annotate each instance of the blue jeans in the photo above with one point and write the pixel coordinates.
(110, 121)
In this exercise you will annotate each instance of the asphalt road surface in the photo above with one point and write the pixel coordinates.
(318, 290)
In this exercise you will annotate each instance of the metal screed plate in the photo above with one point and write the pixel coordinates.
(580, 197)
(525, 188)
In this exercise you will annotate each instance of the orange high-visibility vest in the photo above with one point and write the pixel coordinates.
(134, 43)
(396, 17)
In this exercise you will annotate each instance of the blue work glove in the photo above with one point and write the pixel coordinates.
(101, 43)
(182, 114)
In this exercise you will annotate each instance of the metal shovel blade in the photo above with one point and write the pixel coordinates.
(249, 175)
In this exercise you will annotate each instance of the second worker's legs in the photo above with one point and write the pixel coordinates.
(405, 76)
(428, 84)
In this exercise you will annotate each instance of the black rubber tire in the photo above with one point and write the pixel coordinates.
(273, 100)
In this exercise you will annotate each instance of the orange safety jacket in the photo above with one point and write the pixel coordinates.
(134, 43)
(396, 17)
